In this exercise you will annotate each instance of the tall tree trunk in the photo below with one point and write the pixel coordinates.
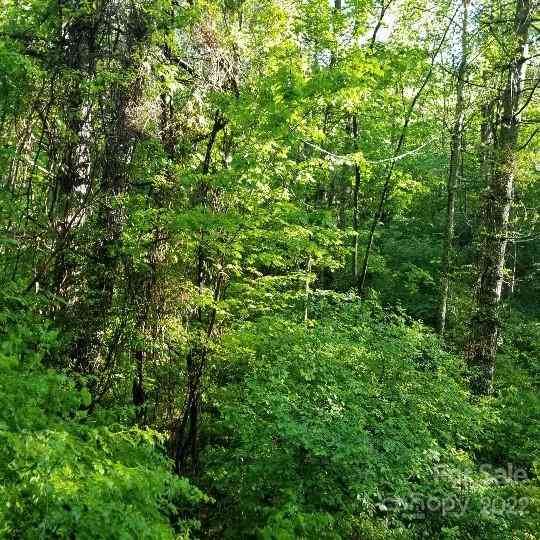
(496, 214)
(356, 192)
(71, 182)
(115, 161)
(184, 440)
(455, 159)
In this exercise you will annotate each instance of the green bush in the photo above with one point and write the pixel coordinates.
(345, 427)
(62, 475)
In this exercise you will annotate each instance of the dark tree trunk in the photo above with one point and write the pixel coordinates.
(356, 193)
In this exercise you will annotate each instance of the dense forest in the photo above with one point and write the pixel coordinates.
(270, 269)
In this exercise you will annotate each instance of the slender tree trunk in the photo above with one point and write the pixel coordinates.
(137, 390)
(307, 291)
(185, 433)
(514, 265)
(455, 159)
(486, 142)
(356, 192)
(387, 188)
(495, 217)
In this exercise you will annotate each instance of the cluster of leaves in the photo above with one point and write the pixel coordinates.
(66, 474)
(514, 434)
(327, 429)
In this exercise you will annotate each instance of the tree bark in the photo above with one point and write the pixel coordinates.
(184, 441)
(455, 158)
(482, 349)
(120, 140)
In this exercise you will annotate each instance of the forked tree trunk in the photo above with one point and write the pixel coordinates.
(387, 187)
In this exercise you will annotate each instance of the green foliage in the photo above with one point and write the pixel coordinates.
(187, 191)
(355, 421)
(514, 432)
(62, 474)
(320, 424)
